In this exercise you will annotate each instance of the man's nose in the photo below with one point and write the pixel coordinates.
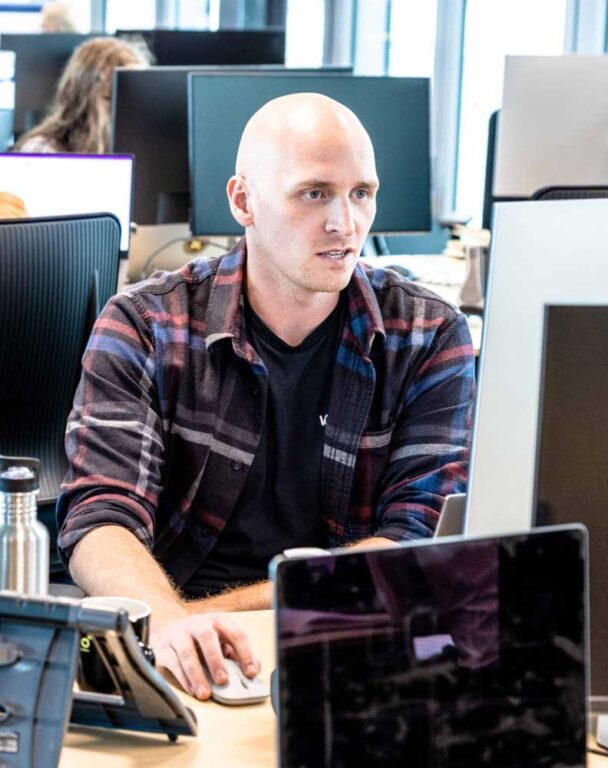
(340, 217)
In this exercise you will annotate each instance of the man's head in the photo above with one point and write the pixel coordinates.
(305, 191)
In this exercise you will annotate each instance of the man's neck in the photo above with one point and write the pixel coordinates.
(291, 318)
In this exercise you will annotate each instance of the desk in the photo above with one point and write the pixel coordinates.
(228, 737)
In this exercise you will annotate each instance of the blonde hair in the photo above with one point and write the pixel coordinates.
(56, 18)
(79, 120)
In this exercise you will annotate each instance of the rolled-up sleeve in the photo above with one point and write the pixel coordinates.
(114, 435)
(430, 445)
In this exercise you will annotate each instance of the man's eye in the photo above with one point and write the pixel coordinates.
(314, 194)
(361, 194)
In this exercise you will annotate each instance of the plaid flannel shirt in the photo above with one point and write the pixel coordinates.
(169, 411)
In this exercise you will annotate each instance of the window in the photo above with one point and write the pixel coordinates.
(305, 29)
(135, 14)
(197, 14)
(20, 16)
(413, 24)
(493, 30)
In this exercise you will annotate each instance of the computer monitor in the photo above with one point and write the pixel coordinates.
(185, 47)
(572, 465)
(395, 112)
(551, 252)
(553, 125)
(62, 185)
(40, 60)
(158, 137)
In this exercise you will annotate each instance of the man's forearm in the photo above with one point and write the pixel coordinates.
(252, 598)
(374, 541)
(111, 561)
(258, 596)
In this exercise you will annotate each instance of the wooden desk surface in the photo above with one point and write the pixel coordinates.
(230, 737)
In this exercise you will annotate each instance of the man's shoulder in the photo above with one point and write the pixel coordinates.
(399, 297)
(195, 277)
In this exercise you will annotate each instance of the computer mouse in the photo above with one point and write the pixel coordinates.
(239, 689)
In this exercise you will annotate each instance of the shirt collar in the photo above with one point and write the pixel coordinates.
(225, 315)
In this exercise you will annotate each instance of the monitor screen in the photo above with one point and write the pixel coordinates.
(553, 126)
(572, 464)
(40, 60)
(159, 137)
(61, 185)
(460, 653)
(395, 112)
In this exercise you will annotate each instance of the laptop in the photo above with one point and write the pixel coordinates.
(438, 653)
(68, 184)
(452, 517)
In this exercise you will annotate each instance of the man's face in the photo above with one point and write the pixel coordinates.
(312, 209)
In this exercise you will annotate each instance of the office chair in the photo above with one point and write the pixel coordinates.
(55, 276)
(569, 193)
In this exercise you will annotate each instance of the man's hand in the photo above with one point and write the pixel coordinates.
(111, 561)
(181, 645)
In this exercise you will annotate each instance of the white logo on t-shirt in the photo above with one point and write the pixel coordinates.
(323, 420)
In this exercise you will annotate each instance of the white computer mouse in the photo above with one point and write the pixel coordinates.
(239, 689)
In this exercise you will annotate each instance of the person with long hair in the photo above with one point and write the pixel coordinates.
(79, 120)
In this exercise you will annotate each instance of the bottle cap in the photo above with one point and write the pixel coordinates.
(18, 475)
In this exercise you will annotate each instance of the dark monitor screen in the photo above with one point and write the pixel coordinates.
(461, 653)
(158, 137)
(40, 60)
(572, 463)
(179, 47)
(395, 112)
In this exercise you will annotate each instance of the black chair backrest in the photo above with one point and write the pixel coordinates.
(55, 276)
(569, 193)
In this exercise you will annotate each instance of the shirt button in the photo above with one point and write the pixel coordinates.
(236, 465)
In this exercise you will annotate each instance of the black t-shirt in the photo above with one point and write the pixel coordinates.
(280, 506)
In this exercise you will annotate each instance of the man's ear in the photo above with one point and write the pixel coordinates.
(238, 198)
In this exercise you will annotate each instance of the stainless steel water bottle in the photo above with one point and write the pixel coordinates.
(24, 541)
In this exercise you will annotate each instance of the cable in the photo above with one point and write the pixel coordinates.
(151, 258)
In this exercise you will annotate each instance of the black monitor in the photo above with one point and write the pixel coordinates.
(185, 47)
(158, 137)
(40, 60)
(572, 462)
(395, 112)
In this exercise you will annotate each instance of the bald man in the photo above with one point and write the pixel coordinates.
(282, 395)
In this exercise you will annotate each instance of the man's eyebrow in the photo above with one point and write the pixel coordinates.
(320, 184)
